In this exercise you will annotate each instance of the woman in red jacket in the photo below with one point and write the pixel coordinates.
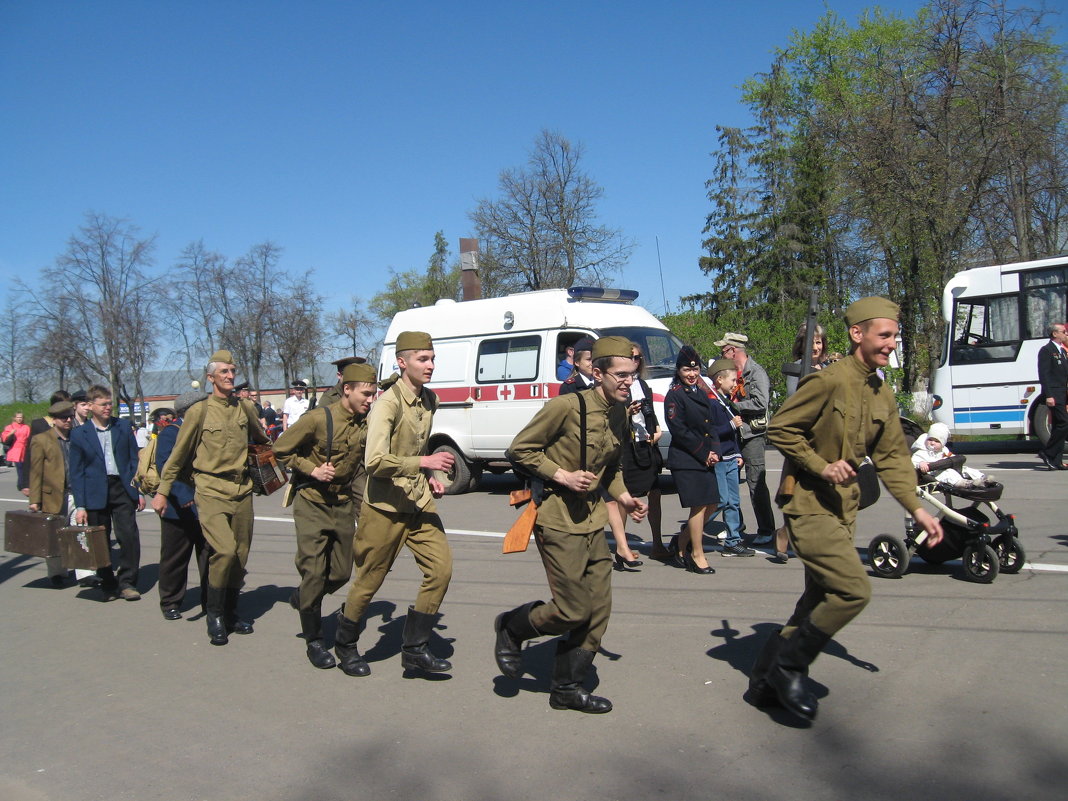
(15, 437)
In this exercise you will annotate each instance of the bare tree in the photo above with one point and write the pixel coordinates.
(199, 276)
(296, 331)
(355, 327)
(542, 231)
(94, 293)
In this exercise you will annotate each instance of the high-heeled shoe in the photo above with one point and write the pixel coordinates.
(691, 565)
(626, 565)
(676, 555)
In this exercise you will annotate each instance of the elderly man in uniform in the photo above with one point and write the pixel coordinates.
(213, 442)
(324, 450)
(570, 527)
(751, 398)
(837, 417)
(296, 404)
(399, 510)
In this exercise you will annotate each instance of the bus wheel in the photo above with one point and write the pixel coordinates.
(1040, 423)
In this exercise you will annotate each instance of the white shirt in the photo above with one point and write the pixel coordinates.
(294, 407)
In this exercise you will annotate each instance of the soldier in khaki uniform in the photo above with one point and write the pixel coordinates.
(399, 510)
(570, 527)
(837, 417)
(323, 506)
(214, 441)
(333, 395)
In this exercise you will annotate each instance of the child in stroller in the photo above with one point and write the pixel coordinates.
(935, 461)
(987, 542)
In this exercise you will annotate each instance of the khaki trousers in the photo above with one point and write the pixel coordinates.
(227, 526)
(837, 587)
(324, 549)
(579, 570)
(379, 538)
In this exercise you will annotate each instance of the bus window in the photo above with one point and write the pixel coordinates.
(985, 330)
(1044, 294)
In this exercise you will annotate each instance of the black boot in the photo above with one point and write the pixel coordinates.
(234, 624)
(348, 655)
(414, 652)
(760, 693)
(214, 607)
(311, 623)
(787, 673)
(566, 691)
(512, 628)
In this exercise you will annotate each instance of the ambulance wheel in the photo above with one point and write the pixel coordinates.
(887, 556)
(1011, 555)
(981, 563)
(458, 480)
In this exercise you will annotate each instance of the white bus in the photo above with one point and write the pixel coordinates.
(996, 320)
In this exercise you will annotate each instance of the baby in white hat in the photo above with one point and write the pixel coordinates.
(931, 447)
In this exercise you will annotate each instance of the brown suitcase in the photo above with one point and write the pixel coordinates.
(85, 547)
(33, 533)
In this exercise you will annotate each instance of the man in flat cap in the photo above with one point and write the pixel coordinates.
(570, 527)
(49, 475)
(838, 417)
(213, 444)
(324, 450)
(399, 510)
(180, 534)
(244, 392)
(751, 397)
(296, 404)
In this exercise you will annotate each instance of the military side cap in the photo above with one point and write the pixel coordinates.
(61, 409)
(414, 340)
(224, 356)
(612, 346)
(584, 345)
(345, 361)
(870, 309)
(187, 399)
(733, 339)
(688, 358)
(721, 364)
(363, 373)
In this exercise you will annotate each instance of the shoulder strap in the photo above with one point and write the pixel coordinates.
(329, 432)
(582, 431)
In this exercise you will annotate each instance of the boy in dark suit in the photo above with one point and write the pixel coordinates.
(103, 459)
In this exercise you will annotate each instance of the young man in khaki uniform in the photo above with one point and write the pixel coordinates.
(570, 528)
(323, 450)
(214, 442)
(399, 510)
(837, 417)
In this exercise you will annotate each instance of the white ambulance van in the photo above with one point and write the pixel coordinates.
(496, 360)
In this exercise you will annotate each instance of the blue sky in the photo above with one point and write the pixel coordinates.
(349, 132)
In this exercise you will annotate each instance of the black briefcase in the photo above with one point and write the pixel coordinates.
(85, 547)
(33, 533)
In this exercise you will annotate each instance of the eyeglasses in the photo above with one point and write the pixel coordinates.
(623, 378)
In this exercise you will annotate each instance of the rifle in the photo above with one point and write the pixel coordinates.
(805, 367)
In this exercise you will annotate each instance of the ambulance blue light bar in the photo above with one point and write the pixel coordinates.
(597, 293)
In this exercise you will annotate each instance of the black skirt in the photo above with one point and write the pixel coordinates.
(696, 487)
(642, 463)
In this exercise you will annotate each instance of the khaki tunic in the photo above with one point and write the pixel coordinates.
(551, 441)
(331, 396)
(398, 429)
(302, 447)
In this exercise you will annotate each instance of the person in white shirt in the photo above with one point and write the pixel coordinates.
(296, 404)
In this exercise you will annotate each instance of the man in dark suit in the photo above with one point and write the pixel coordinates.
(103, 460)
(1053, 374)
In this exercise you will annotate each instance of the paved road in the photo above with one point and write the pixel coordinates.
(941, 689)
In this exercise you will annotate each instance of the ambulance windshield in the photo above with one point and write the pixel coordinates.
(660, 347)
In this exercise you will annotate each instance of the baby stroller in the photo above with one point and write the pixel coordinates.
(979, 533)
